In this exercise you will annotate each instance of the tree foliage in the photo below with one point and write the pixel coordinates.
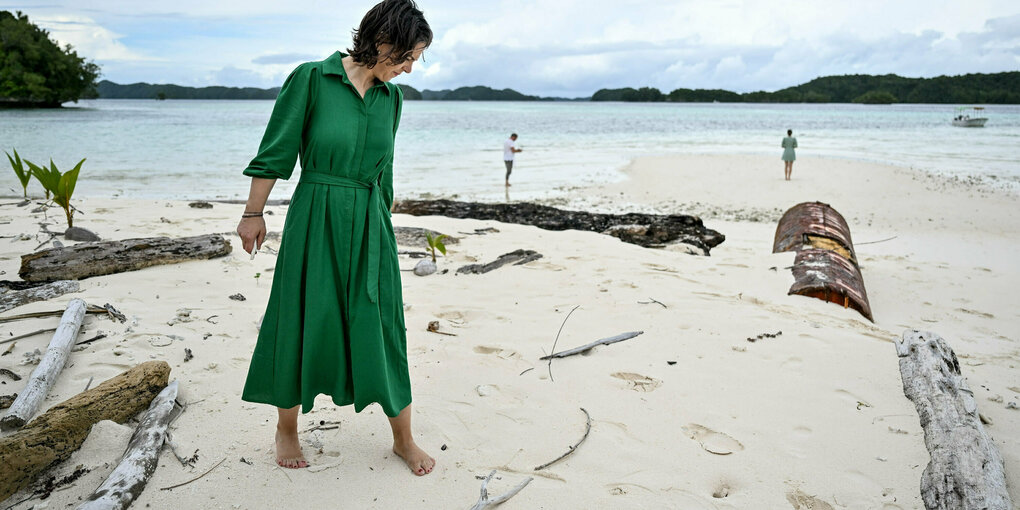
(36, 71)
(410, 93)
(876, 97)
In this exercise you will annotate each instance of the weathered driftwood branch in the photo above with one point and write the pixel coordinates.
(516, 257)
(16, 298)
(45, 375)
(650, 230)
(56, 434)
(128, 479)
(485, 502)
(966, 470)
(108, 257)
(587, 429)
(91, 310)
(585, 348)
(27, 335)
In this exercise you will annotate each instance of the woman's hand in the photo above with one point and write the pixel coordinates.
(252, 232)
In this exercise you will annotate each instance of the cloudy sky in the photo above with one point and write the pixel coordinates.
(568, 48)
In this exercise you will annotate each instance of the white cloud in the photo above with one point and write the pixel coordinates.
(89, 39)
(554, 47)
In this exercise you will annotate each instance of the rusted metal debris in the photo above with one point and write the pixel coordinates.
(826, 264)
(814, 224)
(832, 277)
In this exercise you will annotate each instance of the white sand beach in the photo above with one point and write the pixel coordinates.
(688, 415)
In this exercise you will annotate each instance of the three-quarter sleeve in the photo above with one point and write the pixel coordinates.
(387, 175)
(281, 142)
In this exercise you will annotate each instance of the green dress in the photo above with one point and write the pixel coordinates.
(789, 143)
(335, 319)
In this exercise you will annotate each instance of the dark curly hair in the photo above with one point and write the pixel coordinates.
(396, 22)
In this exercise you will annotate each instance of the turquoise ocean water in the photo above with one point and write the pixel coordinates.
(197, 149)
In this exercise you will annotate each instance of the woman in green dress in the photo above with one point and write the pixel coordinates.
(335, 320)
(789, 143)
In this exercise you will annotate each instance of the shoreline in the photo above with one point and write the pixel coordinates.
(829, 383)
(992, 184)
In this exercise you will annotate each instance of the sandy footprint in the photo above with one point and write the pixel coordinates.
(638, 382)
(712, 441)
(803, 501)
(498, 351)
(797, 440)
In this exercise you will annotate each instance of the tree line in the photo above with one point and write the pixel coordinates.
(997, 88)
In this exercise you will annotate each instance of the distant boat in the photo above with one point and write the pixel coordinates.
(965, 119)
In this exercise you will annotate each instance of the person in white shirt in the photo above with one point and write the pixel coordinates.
(509, 148)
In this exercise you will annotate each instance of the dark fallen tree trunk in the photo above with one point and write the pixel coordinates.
(649, 230)
(109, 257)
(57, 433)
(966, 470)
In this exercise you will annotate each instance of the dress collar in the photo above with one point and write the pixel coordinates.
(334, 65)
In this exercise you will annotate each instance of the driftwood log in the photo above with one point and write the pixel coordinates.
(109, 257)
(966, 471)
(45, 375)
(16, 298)
(516, 257)
(57, 433)
(649, 230)
(128, 479)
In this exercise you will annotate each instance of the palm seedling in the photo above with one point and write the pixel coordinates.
(58, 185)
(426, 267)
(24, 175)
(435, 243)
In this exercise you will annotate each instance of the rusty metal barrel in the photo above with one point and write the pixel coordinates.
(826, 264)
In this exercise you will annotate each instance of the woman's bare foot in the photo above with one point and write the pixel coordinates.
(417, 460)
(288, 450)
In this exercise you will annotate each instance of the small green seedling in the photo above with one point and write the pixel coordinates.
(435, 243)
(59, 185)
(257, 276)
(18, 166)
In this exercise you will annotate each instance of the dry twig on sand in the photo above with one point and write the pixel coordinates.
(26, 335)
(585, 348)
(587, 429)
(652, 300)
(485, 502)
(558, 339)
(195, 478)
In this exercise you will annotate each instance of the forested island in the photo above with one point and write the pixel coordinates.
(109, 90)
(998, 88)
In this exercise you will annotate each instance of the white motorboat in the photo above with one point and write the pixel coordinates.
(970, 117)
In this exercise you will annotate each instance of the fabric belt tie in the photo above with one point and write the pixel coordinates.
(375, 217)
